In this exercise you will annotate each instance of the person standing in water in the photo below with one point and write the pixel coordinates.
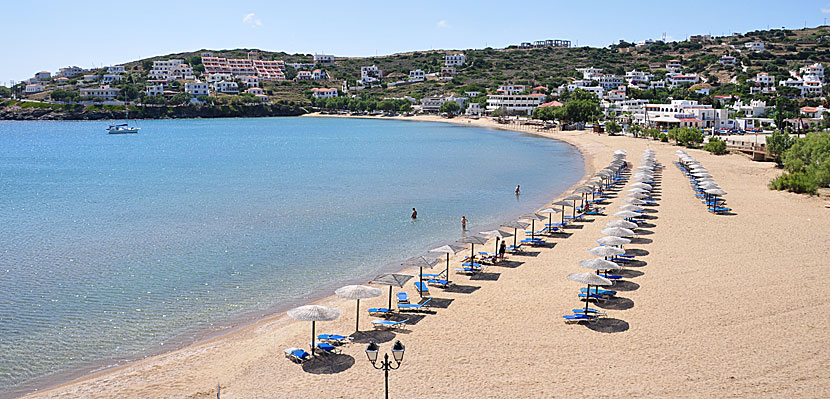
(414, 214)
(517, 189)
(463, 223)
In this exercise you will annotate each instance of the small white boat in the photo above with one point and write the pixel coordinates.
(122, 129)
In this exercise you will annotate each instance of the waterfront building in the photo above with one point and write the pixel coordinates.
(104, 92)
(197, 88)
(515, 103)
(318, 92)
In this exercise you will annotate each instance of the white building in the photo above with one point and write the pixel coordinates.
(511, 89)
(218, 77)
(674, 66)
(34, 88)
(608, 82)
(116, 69)
(447, 73)
(303, 75)
(474, 109)
(515, 103)
(43, 75)
(90, 78)
(472, 94)
(588, 73)
(69, 71)
(754, 109)
(319, 74)
(369, 75)
(453, 60)
(104, 92)
(434, 103)
(226, 87)
(615, 95)
(250, 81)
(318, 92)
(323, 59)
(727, 60)
(812, 88)
(197, 88)
(635, 77)
(674, 80)
(656, 84)
(812, 72)
(416, 75)
(757, 47)
(796, 83)
(765, 79)
(257, 91)
(106, 79)
(154, 90)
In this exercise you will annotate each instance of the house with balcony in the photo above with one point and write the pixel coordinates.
(370, 75)
(106, 79)
(417, 75)
(434, 103)
(511, 89)
(515, 104)
(70, 71)
(324, 59)
(197, 88)
(154, 90)
(250, 81)
(447, 73)
(34, 88)
(757, 47)
(319, 74)
(304, 75)
(727, 60)
(256, 91)
(674, 66)
(103, 92)
(116, 69)
(636, 78)
(588, 73)
(454, 60)
(319, 92)
(226, 87)
(814, 112)
(674, 80)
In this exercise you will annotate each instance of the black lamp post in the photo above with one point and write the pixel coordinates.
(397, 353)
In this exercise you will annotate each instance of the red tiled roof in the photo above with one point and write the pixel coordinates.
(551, 104)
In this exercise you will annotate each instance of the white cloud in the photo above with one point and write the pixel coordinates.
(444, 24)
(825, 10)
(250, 19)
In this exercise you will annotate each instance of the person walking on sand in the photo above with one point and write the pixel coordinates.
(414, 214)
(517, 189)
(463, 223)
(502, 250)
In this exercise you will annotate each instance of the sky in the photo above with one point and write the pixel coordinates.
(51, 34)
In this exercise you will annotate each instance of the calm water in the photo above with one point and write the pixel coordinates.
(112, 247)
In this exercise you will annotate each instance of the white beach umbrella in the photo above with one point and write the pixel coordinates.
(622, 223)
(642, 185)
(621, 152)
(637, 195)
(633, 201)
(626, 214)
(636, 190)
(420, 262)
(313, 313)
(500, 235)
(630, 207)
(617, 232)
(589, 279)
(358, 292)
(392, 280)
(515, 226)
(612, 240)
(449, 250)
(606, 251)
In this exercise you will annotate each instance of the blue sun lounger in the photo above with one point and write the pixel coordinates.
(389, 323)
(431, 275)
(592, 296)
(297, 355)
(326, 348)
(468, 270)
(422, 289)
(334, 339)
(403, 297)
(468, 264)
(379, 311)
(599, 291)
(438, 282)
(590, 312)
(414, 307)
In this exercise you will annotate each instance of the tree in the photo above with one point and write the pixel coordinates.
(544, 113)
(5, 92)
(180, 99)
(807, 163)
(777, 143)
(450, 107)
(613, 127)
(715, 146)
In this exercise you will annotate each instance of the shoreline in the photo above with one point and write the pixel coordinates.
(200, 337)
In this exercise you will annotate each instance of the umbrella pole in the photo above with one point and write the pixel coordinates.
(312, 338)
(587, 296)
(448, 267)
(421, 279)
(532, 229)
(472, 255)
(515, 233)
(357, 317)
(550, 223)
(496, 250)
(563, 215)
(390, 298)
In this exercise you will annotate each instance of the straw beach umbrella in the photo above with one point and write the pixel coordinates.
(421, 262)
(533, 218)
(573, 198)
(563, 204)
(515, 226)
(473, 240)
(612, 240)
(618, 232)
(590, 279)
(599, 264)
(313, 313)
(499, 235)
(606, 251)
(622, 223)
(449, 250)
(392, 280)
(550, 212)
(358, 292)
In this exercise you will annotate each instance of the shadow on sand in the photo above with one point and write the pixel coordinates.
(328, 364)
(462, 289)
(622, 285)
(616, 303)
(379, 336)
(607, 325)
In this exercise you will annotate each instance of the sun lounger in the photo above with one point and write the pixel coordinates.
(422, 289)
(576, 318)
(403, 297)
(590, 311)
(467, 270)
(473, 265)
(514, 248)
(389, 324)
(379, 311)
(325, 348)
(438, 282)
(297, 355)
(334, 339)
(592, 296)
(414, 307)
(599, 291)
(431, 275)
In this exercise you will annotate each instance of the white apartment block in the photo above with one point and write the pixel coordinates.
(269, 70)
(727, 60)
(43, 75)
(319, 74)
(674, 80)
(453, 60)
(324, 59)
(155, 90)
(674, 66)
(765, 79)
(226, 87)
(615, 95)
(218, 77)
(250, 81)
(110, 78)
(104, 92)
(687, 113)
(434, 103)
(303, 75)
(370, 74)
(656, 84)
(90, 78)
(197, 88)
(70, 71)
(578, 84)
(116, 69)
(511, 89)
(417, 75)
(515, 103)
(588, 73)
(755, 108)
(636, 77)
(34, 88)
(757, 47)
(608, 82)
(812, 72)
(447, 73)
(812, 88)
(318, 92)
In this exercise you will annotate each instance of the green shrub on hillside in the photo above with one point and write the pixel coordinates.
(715, 146)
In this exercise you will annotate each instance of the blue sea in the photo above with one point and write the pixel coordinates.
(113, 247)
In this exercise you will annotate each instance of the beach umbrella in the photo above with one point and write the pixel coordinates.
(589, 279)
(630, 207)
(313, 313)
(606, 251)
(500, 235)
(701, 174)
(584, 191)
(633, 201)
(563, 204)
(626, 214)
(637, 190)
(515, 226)
(622, 223)
(550, 212)
(642, 185)
(533, 218)
(617, 232)
(621, 152)
(358, 292)
(449, 250)
(637, 195)
(421, 262)
(599, 263)
(573, 198)
(473, 240)
(611, 240)
(392, 280)
(715, 192)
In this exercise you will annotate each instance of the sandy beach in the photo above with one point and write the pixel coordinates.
(720, 306)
